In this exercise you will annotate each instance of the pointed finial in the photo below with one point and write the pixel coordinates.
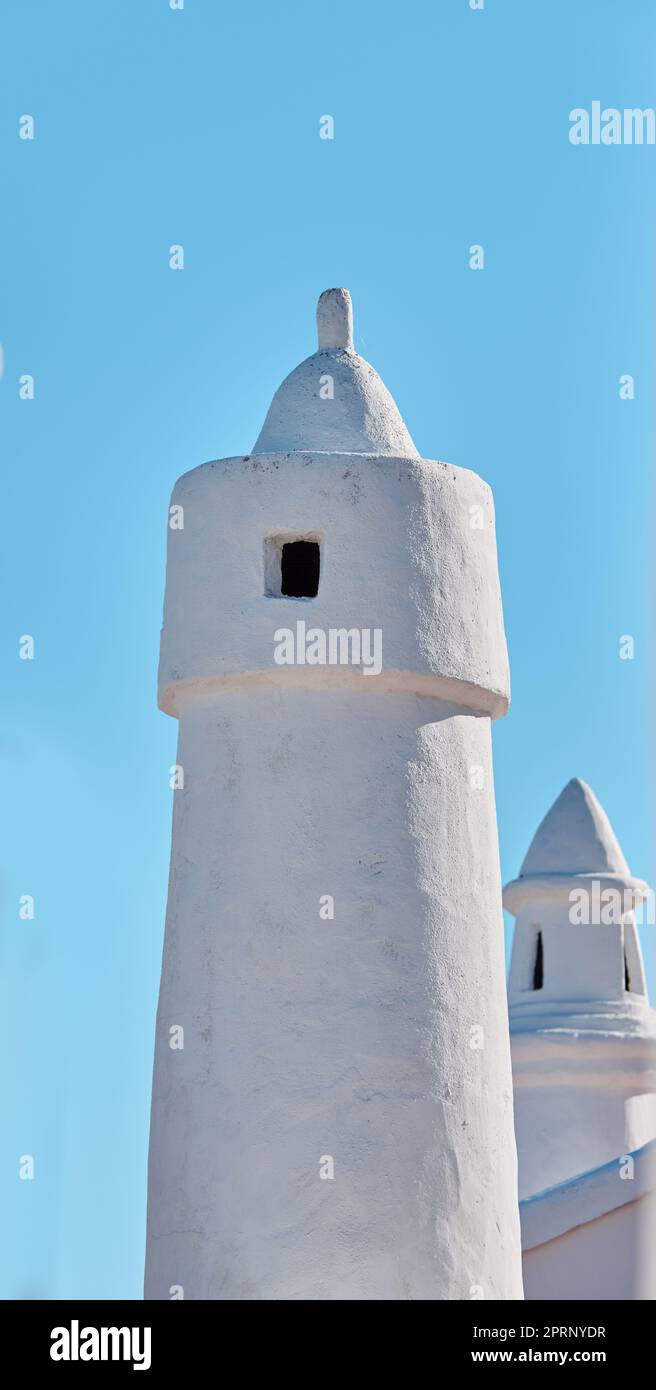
(335, 321)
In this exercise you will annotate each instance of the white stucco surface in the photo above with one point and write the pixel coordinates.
(598, 1260)
(349, 1038)
(398, 553)
(593, 1236)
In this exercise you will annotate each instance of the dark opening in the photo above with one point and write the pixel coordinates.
(538, 969)
(300, 569)
(627, 977)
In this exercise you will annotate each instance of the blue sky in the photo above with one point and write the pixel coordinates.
(201, 127)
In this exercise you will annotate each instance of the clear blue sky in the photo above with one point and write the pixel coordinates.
(201, 127)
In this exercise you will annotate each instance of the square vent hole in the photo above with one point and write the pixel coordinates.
(292, 565)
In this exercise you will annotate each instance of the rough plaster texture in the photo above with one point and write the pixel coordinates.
(398, 552)
(350, 1038)
(583, 1046)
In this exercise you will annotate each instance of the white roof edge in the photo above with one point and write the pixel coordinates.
(533, 888)
(586, 1197)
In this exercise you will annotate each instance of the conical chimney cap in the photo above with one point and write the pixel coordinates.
(575, 841)
(334, 402)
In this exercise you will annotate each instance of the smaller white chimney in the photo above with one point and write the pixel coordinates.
(583, 1036)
